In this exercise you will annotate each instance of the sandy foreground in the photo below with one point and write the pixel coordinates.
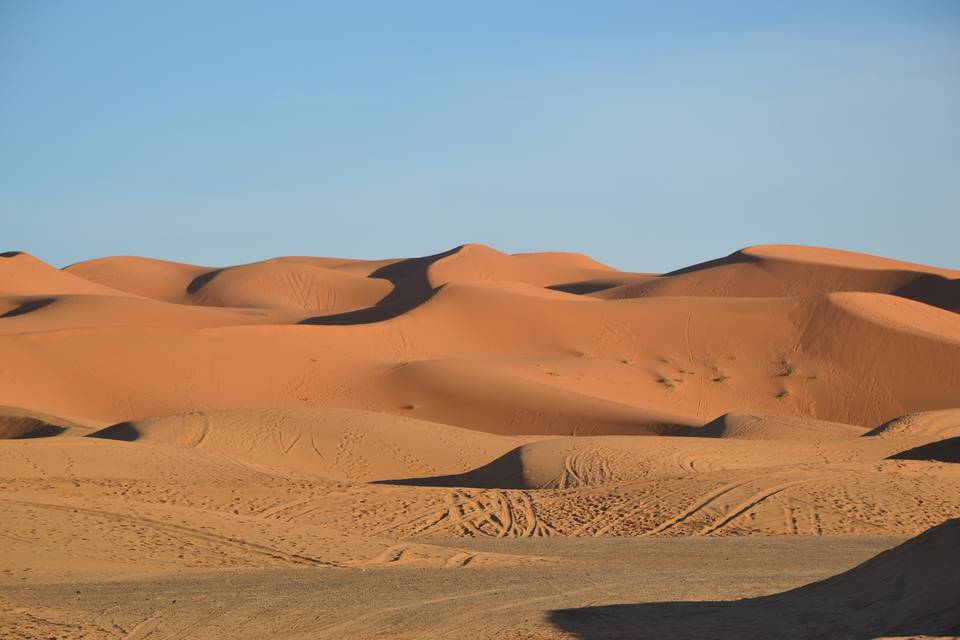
(479, 445)
(579, 590)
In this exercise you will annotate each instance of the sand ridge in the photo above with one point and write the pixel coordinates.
(194, 424)
(578, 366)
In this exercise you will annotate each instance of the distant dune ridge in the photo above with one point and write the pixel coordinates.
(769, 344)
(529, 344)
(161, 419)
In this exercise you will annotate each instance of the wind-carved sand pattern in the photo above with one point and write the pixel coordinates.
(483, 445)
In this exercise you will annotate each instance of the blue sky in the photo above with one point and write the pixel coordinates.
(649, 135)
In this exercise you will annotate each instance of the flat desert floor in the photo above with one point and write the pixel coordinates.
(480, 445)
(557, 588)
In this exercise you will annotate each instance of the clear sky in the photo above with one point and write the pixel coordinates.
(649, 135)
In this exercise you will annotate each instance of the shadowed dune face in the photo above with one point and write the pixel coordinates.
(283, 283)
(947, 450)
(171, 429)
(542, 366)
(925, 423)
(476, 338)
(911, 590)
(336, 444)
(18, 423)
(23, 275)
(779, 270)
(753, 427)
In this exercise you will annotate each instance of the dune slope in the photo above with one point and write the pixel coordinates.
(785, 270)
(329, 447)
(338, 444)
(908, 591)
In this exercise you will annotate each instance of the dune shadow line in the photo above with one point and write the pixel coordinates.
(584, 287)
(411, 288)
(934, 290)
(909, 590)
(202, 280)
(27, 307)
(124, 431)
(946, 450)
(505, 472)
(42, 431)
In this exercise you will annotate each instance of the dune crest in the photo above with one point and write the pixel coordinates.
(338, 444)
(925, 423)
(22, 275)
(335, 448)
(788, 270)
(16, 422)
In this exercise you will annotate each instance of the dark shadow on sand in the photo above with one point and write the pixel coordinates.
(505, 472)
(934, 290)
(202, 280)
(584, 287)
(910, 590)
(947, 450)
(788, 615)
(27, 307)
(378, 313)
(734, 258)
(124, 431)
(411, 288)
(42, 431)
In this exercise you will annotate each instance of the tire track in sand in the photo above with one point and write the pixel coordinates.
(176, 530)
(492, 513)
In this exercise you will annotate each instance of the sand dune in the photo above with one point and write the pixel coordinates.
(277, 285)
(911, 590)
(285, 283)
(167, 425)
(925, 423)
(568, 463)
(610, 366)
(784, 270)
(752, 427)
(23, 275)
(146, 277)
(337, 444)
(479, 262)
(733, 442)
(331, 283)
(21, 423)
(70, 312)
(946, 450)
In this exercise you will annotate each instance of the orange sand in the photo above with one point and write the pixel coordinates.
(164, 419)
